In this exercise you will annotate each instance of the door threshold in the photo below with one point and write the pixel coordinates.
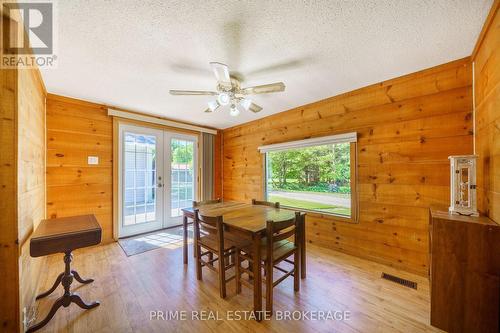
(148, 232)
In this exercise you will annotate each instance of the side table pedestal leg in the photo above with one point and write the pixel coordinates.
(65, 300)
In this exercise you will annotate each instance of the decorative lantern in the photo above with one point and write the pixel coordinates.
(463, 199)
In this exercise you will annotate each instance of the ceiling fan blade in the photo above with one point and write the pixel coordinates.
(192, 92)
(290, 64)
(221, 73)
(264, 89)
(255, 108)
(212, 106)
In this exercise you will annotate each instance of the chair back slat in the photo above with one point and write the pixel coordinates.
(266, 203)
(279, 230)
(284, 235)
(207, 228)
(282, 225)
(206, 202)
(207, 224)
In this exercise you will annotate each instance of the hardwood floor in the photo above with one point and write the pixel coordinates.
(130, 287)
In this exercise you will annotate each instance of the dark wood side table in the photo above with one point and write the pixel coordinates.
(464, 272)
(63, 235)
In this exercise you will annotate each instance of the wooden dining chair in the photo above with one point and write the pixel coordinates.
(266, 203)
(209, 236)
(199, 204)
(275, 248)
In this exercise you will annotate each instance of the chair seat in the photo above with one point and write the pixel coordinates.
(281, 249)
(212, 243)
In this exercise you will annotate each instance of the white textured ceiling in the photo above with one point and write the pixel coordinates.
(130, 53)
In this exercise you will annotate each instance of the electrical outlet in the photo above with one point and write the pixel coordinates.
(93, 160)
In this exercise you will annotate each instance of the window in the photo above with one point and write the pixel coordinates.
(182, 179)
(139, 178)
(316, 175)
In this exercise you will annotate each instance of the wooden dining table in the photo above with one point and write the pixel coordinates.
(247, 221)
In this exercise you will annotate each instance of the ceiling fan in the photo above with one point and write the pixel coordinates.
(230, 93)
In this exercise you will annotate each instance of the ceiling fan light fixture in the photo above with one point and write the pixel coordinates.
(229, 92)
(213, 105)
(234, 111)
(224, 98)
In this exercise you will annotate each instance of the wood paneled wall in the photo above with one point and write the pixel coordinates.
(218, 165)
(22, 188)
(30, 178)
(76, 130)
(487, 99)
(31, 151)
(9, 252)
(407, 127)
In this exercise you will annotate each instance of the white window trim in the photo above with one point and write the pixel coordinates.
(324, 140)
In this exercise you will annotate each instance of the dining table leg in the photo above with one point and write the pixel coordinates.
(185, 238)
(257, 278)
(303, 248)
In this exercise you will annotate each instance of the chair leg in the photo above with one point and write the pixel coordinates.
(237, 274)
(210, 258)
(198, 262)
(296, 271)
(269, 287)
(222, 275)
(194, 249)
(250, 268)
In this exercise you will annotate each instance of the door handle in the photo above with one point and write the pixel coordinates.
(160, 185)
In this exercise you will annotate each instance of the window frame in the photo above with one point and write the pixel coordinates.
(350, 138)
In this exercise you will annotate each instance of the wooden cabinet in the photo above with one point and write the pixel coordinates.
(464, 272)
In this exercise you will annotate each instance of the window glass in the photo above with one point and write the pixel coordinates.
(314, 178)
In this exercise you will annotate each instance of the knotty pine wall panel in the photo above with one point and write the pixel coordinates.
(218, 165)
(487, 92)
(22, 187)
(76, 130)
(407, 127)
(30, 178)
(9, 251)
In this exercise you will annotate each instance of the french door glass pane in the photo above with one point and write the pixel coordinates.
(182, 171)
(140, 179)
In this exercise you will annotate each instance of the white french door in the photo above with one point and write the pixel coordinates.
(156, 178)
(180, 175)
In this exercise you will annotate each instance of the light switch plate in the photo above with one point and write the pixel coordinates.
(93, 160)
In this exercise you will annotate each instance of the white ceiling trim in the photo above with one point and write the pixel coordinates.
(159, 121)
